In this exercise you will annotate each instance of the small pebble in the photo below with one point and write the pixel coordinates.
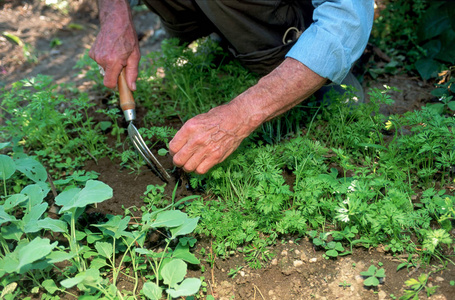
(298, 263)
(284, 253)
(382, 295)
(274, 262)
(439, 279)
(313, 260)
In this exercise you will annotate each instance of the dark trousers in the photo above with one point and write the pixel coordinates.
(258, 33)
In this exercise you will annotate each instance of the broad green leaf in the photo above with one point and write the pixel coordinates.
(35, 194)
(189, 286)
(371, 271)
(92, 237)
(339, 247)
(94, 192)
(437, 108)
(9, 263)
(451, 105)
(162, 152)
(331, 245)
(432, 48)
(80, 235)
(115, 227)
(104, 248)
(98, 263)
(371, 281)
(13, 231)
(50, 286)
(427, 67)
(4, 217)
(318, 242)
(4, 145)
(30, 219)
(434, 22)
(59, 256)
(52, 225)
(105, 125)
(186, 228)
(89, 277)
(31, 168)
(332, 253)
(152, 291)
(35, 250)
(183, 252)
(380, 273)
(7, 167)
(70, 282)
(14, 200)
(143, 251)
(169, 218)
(174, 272)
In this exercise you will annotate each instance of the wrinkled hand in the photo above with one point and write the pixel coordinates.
(209, 138)
(116, 46)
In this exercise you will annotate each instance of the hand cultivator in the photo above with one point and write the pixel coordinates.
(129, 110)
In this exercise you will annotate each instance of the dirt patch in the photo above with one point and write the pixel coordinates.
(297, 270)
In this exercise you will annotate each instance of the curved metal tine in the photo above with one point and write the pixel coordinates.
(148, 156)
(139, 149)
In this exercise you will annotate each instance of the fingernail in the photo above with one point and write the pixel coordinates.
(134, 86)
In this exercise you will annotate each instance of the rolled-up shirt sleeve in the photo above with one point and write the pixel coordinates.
(336, 38)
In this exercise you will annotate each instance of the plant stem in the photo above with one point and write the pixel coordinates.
(4, 187)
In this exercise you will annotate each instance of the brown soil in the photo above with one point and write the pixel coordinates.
(297, 271)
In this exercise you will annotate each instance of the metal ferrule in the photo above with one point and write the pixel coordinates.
(130, 115)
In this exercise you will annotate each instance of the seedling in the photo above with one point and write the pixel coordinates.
(417, 285)
(333, 249)
(344, 284)
(233, 272)
(373, 276)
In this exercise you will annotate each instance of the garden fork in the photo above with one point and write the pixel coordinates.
(129, 110)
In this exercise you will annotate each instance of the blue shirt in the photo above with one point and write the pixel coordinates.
(336, 38)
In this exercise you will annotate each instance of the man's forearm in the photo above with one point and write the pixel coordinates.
(286, 86)
(210, 138)
(118, 10)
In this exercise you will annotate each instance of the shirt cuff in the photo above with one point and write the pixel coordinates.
(335, 39)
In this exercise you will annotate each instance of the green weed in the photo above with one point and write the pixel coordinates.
(373, 276)
(110, 246)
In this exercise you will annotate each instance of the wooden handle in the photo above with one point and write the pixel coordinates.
(126, 96)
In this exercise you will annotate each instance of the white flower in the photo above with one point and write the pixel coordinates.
(352, 187)
(342, 210)
(344, 218)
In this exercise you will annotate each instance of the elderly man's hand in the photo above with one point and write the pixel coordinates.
(116, 44)
(210, 138)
